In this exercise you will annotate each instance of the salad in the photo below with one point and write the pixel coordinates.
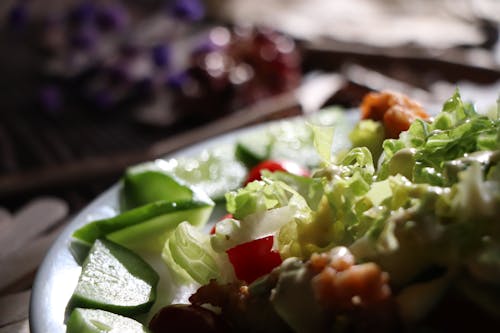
(397, 230)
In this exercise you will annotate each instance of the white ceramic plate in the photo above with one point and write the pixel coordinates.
(58, 274)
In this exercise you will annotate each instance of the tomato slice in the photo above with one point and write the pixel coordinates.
(254, 259)
(276, 165)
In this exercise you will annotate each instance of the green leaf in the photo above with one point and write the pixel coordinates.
(322, 140)
(192, 253)
(456, 131)
(257, 196)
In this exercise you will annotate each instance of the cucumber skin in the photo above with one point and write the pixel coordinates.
(249, 157)
(149, 236)
(77, 322)
(100, 228)
(145, 187)
(136, 266)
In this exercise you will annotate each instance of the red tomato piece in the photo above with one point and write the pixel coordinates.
(227, 216)
(254, 259)
(278, 165)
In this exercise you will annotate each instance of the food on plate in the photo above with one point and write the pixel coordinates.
(396, 111)
(361, 244)
(146, 227)
(115, 279)
(214, 171)
(97, 321)
(293, 140)
(183, 318)
(275, 165)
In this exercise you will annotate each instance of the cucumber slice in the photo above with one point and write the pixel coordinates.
(141, 187)
(214, 171)
(254, 148)
(293, 139)
(115, 279)
(150, 236)
(99, 321)
(146, 228)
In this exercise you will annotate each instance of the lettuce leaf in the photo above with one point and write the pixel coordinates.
(456, 131)
(311, 189)
(266, 208)
(189, 255)
(256, 197)
(231, 232)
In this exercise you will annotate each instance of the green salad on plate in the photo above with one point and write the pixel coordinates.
(388, 224)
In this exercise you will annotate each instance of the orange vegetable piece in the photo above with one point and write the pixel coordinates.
(396, 111)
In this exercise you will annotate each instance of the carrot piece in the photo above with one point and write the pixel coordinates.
(396, 111)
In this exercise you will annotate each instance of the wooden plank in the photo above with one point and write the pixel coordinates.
(5, 219)
(20, 327)
(17, 270)
(14, 308)
(31, 220)
(84, 170)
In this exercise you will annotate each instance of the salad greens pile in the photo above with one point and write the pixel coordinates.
(428, 208)
(424, 207)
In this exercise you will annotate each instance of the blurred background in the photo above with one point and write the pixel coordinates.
(90, 87)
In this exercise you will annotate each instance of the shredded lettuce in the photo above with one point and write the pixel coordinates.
(322, 140)
(456, 131)
(189, 255)
(263, 216)
(430, 202)
(311, 189)
(231, 232)
(256, 197)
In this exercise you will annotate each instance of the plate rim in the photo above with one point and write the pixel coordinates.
(39, 308)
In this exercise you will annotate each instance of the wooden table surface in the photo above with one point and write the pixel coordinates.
(25, 237)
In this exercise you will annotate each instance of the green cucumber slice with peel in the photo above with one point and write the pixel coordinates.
(99, 321)
(215, 171)
(115, 279)
(254, 148)
(292, 139)
(145, 229)
(143, 186)
(150, 236)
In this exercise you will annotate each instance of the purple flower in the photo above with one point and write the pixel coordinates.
(161, 55)
(177, 80)
(83, 13)
(189, 10)
(112, 17)
(205, 47)
(84, 38)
